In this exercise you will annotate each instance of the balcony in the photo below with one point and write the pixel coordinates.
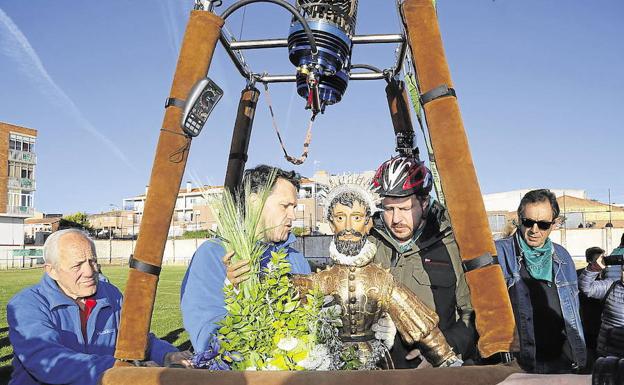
(20, 211)
(21, 183)
(23, 156)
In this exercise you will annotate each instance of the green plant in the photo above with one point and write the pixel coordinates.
(238, 226)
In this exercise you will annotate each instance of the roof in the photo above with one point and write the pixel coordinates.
(41, 221)
(195, 190)
(569, 202)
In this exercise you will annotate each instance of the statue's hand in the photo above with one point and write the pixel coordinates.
(385, 330)
(237, 272)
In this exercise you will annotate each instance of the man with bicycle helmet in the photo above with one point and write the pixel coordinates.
(415, 241)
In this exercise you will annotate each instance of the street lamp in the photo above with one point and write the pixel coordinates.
(196, 214)
(118, 214)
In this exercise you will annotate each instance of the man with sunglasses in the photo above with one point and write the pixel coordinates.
(542, 284)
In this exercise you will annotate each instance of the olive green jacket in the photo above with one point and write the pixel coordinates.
(432, 270)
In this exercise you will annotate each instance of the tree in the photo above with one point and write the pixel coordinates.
(79, 219)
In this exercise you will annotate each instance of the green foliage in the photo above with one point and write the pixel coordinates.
(268, 317)
(79, 219)
(196, 234)
(299, 231)
(238, 226)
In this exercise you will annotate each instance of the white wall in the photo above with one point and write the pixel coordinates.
(179, 251)
(576, 241)
(11, 231)
(509, 200)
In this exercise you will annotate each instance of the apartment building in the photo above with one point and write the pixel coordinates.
(17, 181)
(191, 210)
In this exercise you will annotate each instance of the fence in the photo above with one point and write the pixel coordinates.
(177, 251)
(314, 248)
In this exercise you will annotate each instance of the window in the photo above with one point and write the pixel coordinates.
(497, 222)
(26, 199)
(21, 143)
(14, 198)
(21, 170)
(21, 198)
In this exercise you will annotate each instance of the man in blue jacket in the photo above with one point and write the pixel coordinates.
(542, 284)
(202, 301)
(63, 330)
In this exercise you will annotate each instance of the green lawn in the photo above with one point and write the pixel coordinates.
(166, 321)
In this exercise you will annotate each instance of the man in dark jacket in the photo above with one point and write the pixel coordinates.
(542, 285)
(415, 241)
(591, 308)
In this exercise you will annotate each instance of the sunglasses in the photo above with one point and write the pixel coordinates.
(542, 225)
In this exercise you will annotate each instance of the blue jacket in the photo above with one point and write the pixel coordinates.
(202, 301)
(48, 345)
(565, 280)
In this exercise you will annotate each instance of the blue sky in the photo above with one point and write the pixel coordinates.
(539, 84)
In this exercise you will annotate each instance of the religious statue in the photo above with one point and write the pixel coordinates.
(365, 291)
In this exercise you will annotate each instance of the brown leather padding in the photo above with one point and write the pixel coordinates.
(240, 137)
(198, 46)
(468, 375)
(494, 316)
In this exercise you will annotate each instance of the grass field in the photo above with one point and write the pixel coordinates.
(166, 320)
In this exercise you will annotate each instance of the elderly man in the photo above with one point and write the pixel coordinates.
(202, 300)
(63, 330)
(366, 291)
(542, 284)
(415, 241)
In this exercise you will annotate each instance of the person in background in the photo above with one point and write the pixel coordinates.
(591, 309)
(64, 329)
(610, 292)
(542, 285)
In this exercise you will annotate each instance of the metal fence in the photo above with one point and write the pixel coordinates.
(315, 249)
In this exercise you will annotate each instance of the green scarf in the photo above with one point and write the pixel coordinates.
(538, 260)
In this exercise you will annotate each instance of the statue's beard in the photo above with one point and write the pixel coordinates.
(349, 247)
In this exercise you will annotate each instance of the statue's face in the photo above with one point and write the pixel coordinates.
(350, 226)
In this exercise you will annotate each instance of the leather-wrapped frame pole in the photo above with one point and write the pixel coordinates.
(241, 137)
(196, 53)
(494, 315)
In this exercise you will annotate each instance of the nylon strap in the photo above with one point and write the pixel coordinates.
(308, 138)
(476, 263)
(175, 102)
(144, 267)
(436, 93)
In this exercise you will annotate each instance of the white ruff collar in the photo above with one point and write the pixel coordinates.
(363, 258)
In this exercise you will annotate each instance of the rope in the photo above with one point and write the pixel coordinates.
(240, 35)
(414, 93)
(308, 138)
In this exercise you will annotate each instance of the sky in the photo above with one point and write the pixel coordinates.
(539, 84)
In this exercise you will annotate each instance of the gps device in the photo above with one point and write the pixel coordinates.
(199, 104)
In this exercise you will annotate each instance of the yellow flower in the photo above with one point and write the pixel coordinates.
(279, 362)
